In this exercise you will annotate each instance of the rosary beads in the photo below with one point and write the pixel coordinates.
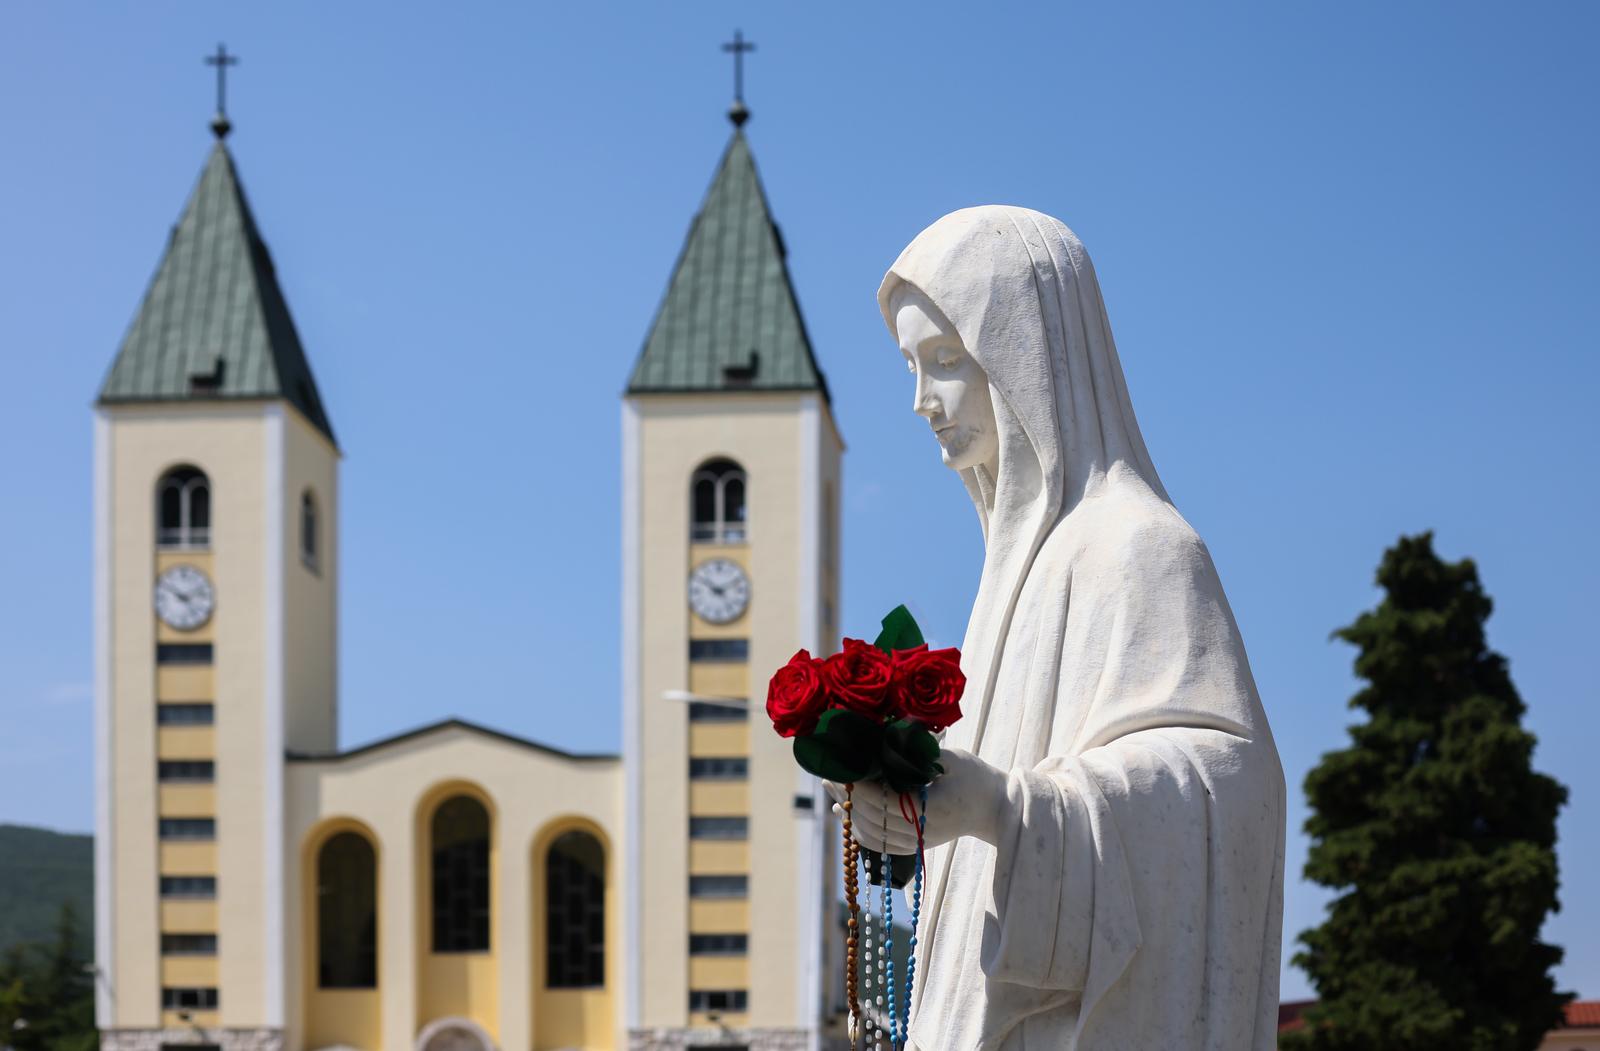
(859, 980)
(852, 927)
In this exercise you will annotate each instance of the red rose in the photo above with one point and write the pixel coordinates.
(927, 686)
(796, 697)
(858, 677)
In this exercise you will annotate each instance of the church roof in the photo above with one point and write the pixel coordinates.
(214, 323)
(730, 320)
(445, 726)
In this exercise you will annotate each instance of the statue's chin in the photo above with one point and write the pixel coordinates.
(958, 453)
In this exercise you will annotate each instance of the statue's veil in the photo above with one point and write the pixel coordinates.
(1019, 289)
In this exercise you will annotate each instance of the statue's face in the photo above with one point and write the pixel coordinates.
(952, 391)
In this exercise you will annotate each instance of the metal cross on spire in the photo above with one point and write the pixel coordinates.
(222, 60)
(738, 113)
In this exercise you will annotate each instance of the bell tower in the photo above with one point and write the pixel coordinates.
(731, 473)
(215, 555)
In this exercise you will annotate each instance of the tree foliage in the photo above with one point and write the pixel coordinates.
(47, 992)
(1435, 831)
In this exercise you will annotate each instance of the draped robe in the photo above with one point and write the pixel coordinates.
(1134, 899)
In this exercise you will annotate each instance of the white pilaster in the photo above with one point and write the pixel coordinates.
(810, 833)
(632, 756)
(272, 731)
(104, 876)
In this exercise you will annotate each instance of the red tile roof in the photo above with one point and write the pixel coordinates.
(1289, 1013)
(1580, 1014)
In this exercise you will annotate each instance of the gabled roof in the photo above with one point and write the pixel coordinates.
(214, 324)
(443, 726)
(730, 321)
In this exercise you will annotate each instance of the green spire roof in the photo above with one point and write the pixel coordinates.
(730, 320)
(214, 324)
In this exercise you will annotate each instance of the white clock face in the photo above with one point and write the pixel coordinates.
(718, 590)
(184, 598)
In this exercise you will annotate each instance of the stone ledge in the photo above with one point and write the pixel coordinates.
(753, 1039)
(155, 1039)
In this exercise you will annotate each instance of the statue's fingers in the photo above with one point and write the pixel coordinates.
(834, 790)
(901, 844)
(869, 840)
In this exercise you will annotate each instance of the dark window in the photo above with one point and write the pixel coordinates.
(719, 768)
(703, 1000)
(806, 803)
(308, 529)
(705, 712)
(719, 828)
(189, 944)
(183, 509)
(719, 886)
(188, 998)
(186, 770)
(347, 913)
(724, 651)
(461, 876)
(188, 828)
(183, 653)
(575, 912)
(717, 504)
(188, 886)
(705, 502)
(719, 944)
(830, 547)
(198, 714)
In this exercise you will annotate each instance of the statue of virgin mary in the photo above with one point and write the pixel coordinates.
(1113, 805)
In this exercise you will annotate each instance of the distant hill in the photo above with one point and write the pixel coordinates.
(39, 870)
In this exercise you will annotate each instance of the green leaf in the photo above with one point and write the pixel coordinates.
(845, 747)
(910, 757)
(900, 631)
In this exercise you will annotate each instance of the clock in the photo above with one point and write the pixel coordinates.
(719, 591)
(184, 597)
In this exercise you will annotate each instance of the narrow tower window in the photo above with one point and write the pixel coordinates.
(347, 913)
(460, 876)
(308, 530)
(183, 509)
(717, 503)
(575, 911)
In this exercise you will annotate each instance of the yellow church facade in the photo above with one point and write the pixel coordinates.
(454, 887)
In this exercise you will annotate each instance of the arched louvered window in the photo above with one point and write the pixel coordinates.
(717, 504)
(347, 913)
(183, 509)
(460, 842)
(575, 912)
(308, 529)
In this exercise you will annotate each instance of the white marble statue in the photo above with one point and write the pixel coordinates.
(1109, 830)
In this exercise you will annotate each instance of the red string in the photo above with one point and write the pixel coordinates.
(908, 810)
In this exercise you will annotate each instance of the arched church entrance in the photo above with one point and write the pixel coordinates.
(454, 1034)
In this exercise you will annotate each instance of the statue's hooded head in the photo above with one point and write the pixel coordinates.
(1018, 289)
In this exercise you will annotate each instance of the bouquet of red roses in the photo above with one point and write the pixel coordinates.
(869, 712)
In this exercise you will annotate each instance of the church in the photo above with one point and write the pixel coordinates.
(259, 887)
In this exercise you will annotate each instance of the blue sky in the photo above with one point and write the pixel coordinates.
(1348, 251)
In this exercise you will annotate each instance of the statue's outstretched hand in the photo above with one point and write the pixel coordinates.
(966, 800)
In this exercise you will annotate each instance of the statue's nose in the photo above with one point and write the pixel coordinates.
(923, 402)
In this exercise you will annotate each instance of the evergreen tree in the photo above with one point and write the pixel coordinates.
(47, 993)
(1435, 831)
